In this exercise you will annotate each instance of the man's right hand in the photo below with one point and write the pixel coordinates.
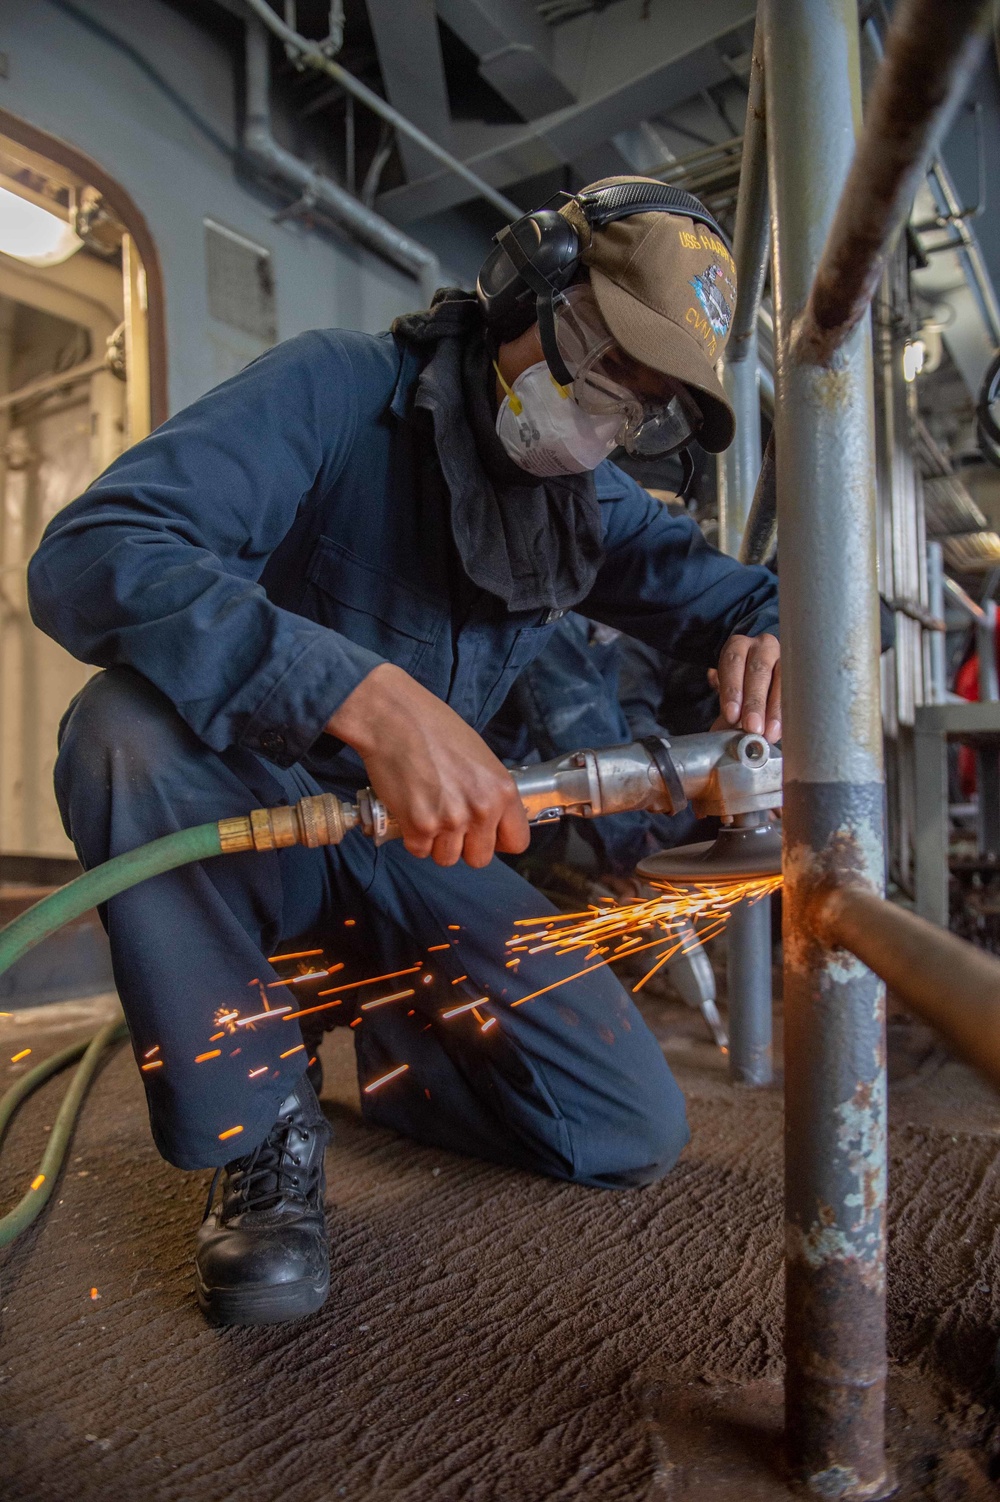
(444, 787)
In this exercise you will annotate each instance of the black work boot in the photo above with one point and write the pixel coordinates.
(263, 1256)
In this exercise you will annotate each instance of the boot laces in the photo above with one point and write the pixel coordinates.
(273, 1172)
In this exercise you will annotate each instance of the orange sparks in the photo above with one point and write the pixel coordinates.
(215, 1037)
(566, 979)
(324, 1006)
(385, 1078)
(94, 1294)
(300, 954)
(456, 928)
(230, 1132)
(38, 1181)
(299, 1048)
(372, 979)
(380, 1001)
(356, 1022)
(254, 1073)
(17, 1057)
(511, 963)
(433, 948)
(349, 922)
(262, 1016)
(679, 917)
(469, 1006)
(156, 1064)
(212, 1054)
(296, 980)
(458, 980)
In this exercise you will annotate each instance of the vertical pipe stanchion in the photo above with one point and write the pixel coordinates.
(739, 465)
(988, 757)
(749, 930)
(834, 1046)
(986, 648)
(749, 984)
(938, 674)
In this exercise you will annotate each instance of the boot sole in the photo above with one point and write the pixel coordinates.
(261, 1305)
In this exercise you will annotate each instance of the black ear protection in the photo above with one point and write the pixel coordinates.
(540, 255)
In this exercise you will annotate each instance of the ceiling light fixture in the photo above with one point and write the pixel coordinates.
(33, 234)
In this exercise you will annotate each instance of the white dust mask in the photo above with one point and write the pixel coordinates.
(544, 431)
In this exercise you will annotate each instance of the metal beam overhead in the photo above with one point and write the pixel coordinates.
(686, 60)
(514, 48)
(409, 56)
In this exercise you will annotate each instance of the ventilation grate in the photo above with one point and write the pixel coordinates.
(240, 282)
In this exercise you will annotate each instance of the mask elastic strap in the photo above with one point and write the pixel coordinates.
(516, 405)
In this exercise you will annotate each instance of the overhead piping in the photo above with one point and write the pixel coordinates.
(314, 187)
(311, 53)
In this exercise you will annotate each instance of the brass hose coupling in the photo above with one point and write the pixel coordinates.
(323, 819)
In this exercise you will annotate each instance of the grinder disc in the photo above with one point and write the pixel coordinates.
(734, 854)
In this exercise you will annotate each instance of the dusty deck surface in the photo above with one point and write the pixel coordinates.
(490, 1337)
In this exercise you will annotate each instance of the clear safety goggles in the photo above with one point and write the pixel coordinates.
(652, 424)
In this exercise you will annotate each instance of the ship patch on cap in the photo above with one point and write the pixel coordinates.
(709, 293)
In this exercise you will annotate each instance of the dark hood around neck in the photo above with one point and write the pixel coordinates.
(534, 544)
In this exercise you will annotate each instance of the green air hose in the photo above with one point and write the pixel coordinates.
(105, 881)
(44, 918)
(322, 819)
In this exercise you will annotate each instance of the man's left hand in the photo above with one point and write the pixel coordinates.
(749, 684)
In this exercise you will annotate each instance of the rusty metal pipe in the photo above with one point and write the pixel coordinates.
(943, 980)
(931, 53)
(835, 1149)
(835, 218)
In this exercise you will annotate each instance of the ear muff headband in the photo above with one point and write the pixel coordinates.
(539, 255)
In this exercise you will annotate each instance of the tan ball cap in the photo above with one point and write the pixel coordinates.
(666, 288)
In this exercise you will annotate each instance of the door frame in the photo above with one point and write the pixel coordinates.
(125, 209)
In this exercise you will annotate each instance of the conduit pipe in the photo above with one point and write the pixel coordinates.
(739, 465)
(835, 220)
(311, 53)
(749, 937)
(316, 189)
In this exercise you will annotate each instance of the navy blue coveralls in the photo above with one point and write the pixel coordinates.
(238, 573)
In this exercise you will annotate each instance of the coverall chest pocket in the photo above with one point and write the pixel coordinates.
(369, 607)
(527, 644)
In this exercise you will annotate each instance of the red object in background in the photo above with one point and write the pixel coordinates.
(967, 687)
